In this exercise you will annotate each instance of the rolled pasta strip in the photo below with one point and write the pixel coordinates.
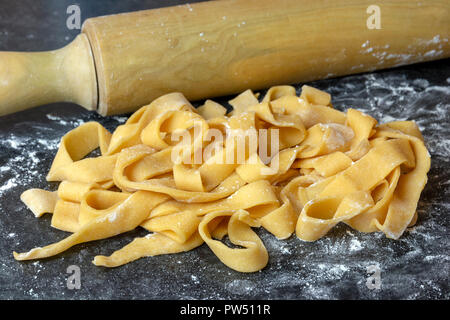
(372, 168)
(366, 222)
(281, 221)
(210, 110)
(187, 178)
(221, 230)
(87, 170)
(254, 168)
(290, 126)
(146, 163)
(167, 185)
(242, 102)
(151, 245)
(65, 216)
(125, 217)
(359, 150)
(309, 113)
(408, 128)
(323, 139)
(75, 191)
(154, 244)
(178, 226)
(252, 197)
(294, 188)
(319, 216)
(402, 208)
(363, 127)
(315, 96)
(178, 219)
(39, 201)
(129, 134)
(277, 92)
(66, 166)
(68, 214)
(159, 132)
(252, 257)
(97, 203)
(312, 191)
(327, 165)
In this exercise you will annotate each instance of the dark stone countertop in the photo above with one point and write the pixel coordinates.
(334, 267)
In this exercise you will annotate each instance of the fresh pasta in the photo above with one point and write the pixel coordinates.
(285, 163)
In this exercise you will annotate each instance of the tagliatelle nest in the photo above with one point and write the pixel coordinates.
(295, 165)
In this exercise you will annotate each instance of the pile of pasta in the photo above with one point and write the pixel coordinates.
(332, 167)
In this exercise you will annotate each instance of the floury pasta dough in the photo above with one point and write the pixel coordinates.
(286, 163)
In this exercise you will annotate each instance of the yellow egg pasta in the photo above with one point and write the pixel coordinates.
(192, 176)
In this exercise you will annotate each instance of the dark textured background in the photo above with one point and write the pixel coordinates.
(414, 267)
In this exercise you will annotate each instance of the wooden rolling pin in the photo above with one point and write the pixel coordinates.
(121, 62)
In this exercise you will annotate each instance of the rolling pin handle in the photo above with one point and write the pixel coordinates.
(29, 79)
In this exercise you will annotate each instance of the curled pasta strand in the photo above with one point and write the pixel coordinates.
(151, 245)
(122, 218)
(241, 234)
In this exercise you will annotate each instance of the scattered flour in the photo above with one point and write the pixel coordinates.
(355, 245)
(195, 279)
(27, 154)
(11, 183)
(241, 287)
(24, 163)
(63, 122)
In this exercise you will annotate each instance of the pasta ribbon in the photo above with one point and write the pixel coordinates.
(241, 234)
(119, 218)
(192, 176)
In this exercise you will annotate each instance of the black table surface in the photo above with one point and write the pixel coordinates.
(335, 267)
